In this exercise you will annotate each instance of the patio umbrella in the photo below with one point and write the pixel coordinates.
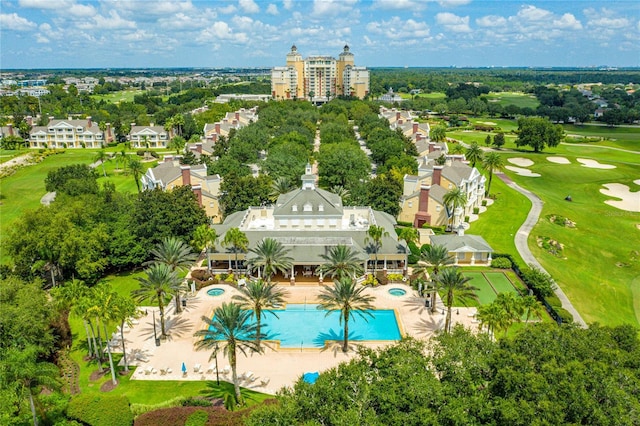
(184, 368)
(310, 377)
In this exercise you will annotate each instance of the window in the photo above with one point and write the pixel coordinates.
(295, 222)
(410, 204)
(320, 222)
(320, 207)
(307, 207)
(332, 223)
(294, 208)
(438, 208)
(462, 256)
(307, 222)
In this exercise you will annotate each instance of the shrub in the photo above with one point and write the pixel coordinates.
(395, 277)
(566, 316)
(501, 263)
(484, 203)
(405, 224)
(412, 259)
(100, 410)
(413, 248)
(466, 219)
(194, 401)
(553, 300)
(370, 280)
(476, 210)
(198, 418)
(538, 281)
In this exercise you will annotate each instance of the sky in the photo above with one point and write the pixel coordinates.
(256, 33)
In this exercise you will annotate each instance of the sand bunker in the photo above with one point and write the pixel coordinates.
(593, 164)
(522, 172)
(559, 160)
(630, 200)
(519, 161)
(637, 181)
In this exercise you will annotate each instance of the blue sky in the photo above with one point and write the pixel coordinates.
(254, 33)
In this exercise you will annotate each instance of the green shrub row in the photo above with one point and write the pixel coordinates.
(501, 263)
(142, 152)
(100, 410)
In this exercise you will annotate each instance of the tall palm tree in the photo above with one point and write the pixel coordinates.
(375, 234)
(492, 162)
(231, 328)
(455, 285)
(271, 257)
(281, 185)
(258, 296)
(101, 157)
(493, 317)
(341, 192)
(122, 311)
(175, 253)
(438, 133)
(136, 168)
(531, 306)
(435, 257)
(409, 235)
(159, 284)
(204, 238)
(346, 297)
(104, 299)
(456, 148)
(474, 153)
(511, 305)
(238, 241)
(21, 367)
(454, 199)
(341, 262)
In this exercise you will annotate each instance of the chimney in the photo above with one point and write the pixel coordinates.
(234, 122)
(437, 175)
(214, 137)
(199, 147)
(186, 175)
(423, 216)
(133, 125)
(10, 126)
(398, 115)
(225, 121)
(218, 127)
(415, 128)
(418, 137)
(400, 121)
(437, 148)
(432, 146)
(168, 158)
(89, 123)
(109, 137)
(69, 118)
(238, 115)
(197, 189)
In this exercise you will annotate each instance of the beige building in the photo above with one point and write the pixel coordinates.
(149, 136)
(319, 78)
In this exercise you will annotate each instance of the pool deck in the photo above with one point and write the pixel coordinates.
(282, 367)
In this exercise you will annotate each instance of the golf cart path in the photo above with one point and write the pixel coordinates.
(522, 236)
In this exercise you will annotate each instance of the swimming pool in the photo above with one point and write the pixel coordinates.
(304, 326)
(215, 292)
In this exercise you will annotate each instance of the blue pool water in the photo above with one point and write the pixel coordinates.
(215, 292)
(397, 292)
(307, 327)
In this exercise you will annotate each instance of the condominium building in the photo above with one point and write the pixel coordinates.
(69, 133)
(319, 78)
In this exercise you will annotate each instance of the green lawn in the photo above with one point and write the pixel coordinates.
(8, 154)
(485, 293)
(500, 282)
(630, 135)
(599, 263)
(519, 99)
(433, 95)
(117, 97)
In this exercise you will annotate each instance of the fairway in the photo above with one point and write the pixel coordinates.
(519, 99)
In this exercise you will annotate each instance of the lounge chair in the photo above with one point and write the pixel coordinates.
(265, 381)
(169, 370)
(196, 368)
(148, 370)
(211, 369)
(163, 371)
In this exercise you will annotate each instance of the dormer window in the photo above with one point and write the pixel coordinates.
(307, 207)
(320, 207)
(294, 208)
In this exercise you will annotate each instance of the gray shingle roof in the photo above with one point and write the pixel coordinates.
(461, 243)
(331, 203)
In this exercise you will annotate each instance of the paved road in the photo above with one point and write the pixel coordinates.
(522, 236)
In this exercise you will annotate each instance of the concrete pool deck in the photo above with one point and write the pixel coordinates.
(282, 367)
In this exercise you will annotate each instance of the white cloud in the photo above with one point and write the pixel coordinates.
(455, 23)
(220, 30)
(287, 4)
(453, 3)
(532, 13)
(182, 21)
(567, 21)
(249, 6)
(491, 21)
(228, 9)
(156, 7)
(41, 39)
(82, 10)
(272, 9)
(332, 7)
(139, 35)
(15, 22)
(397, 29)
(407, 5)
(46, 4)
(111, 22)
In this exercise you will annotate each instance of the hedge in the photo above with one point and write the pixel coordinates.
(564, 314)
(501, 263)
(100, 410)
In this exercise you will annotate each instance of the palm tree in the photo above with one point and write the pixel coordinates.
(511, 305)
(101, 157)
(341, 192)
(159, 284)
(177, 143)
(137, 169)
(455, 285)
(343, 296)
(231, 328)
(409, 235)
(341, 262)
(123, 310)
(123, 158)
(438, 133)
(104, 299)
(457, 148)
(237, 240)
(177, 255)
(492, 162)
(22, 369)
(375, 234)
(493, 317)
(454, 199)
(258, 296)
(435, 257)
(531, 306)
(281, 185)
(204, 238)
(271, 256)
(178, 121)
(474, 153)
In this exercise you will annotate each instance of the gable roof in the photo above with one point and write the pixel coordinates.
(331, 203)
(461, 243)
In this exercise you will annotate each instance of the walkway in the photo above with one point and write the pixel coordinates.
(523, 248)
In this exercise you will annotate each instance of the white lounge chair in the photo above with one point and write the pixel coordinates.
(169, 370)
(226, 370)
(196, 368)
(265, 381)
(148, 370)
(211, 369)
